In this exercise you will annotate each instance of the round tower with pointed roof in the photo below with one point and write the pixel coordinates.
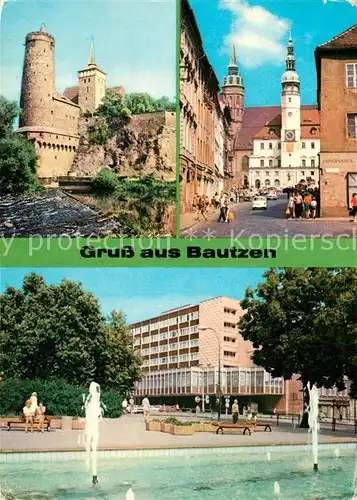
(38, 80)
(92, 83)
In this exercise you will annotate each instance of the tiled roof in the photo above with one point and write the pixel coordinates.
(72, 94)
(258, 121)
(117, 90)
(345, 40)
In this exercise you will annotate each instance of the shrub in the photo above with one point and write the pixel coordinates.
(98, 133)
(176, 421)
(59, 397)
(17, 165)
(105, 181)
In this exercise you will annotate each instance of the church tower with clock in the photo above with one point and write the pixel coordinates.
(290, 113)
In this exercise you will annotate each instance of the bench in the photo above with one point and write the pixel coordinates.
(246, 427)
(19, 423)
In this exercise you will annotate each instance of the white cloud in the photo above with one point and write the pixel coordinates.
(258, 34)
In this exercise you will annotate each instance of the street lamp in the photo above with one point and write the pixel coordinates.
(218, 388)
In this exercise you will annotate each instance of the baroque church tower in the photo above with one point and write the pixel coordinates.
(92, 82)
(290, 112)
(233, 96)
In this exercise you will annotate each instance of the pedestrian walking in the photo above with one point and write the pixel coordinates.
(131, 405)
(202, 207)
(124, 406)
(223, 209)
(146, 408)
(290, 208)
(354, 207)
(307, 204)
(298, 202)
(235, 411)
(313, 207)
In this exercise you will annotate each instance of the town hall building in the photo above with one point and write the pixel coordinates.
(273, 146)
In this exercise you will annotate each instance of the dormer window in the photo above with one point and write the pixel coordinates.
(313, 131)
(271, 131)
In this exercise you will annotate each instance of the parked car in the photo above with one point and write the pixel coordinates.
(138, 409)
(272, 196)
(155, 408)
(259, 203)
(168, 409)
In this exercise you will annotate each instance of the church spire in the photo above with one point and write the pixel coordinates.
(91, 60)
(43, 28)
(290, 59)
(233, 77)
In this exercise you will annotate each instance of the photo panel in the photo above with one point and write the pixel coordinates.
(88, 113)
(186, 383)
(268, 119)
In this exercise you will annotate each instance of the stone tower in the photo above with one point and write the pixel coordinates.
(91, 83)
(38, 80)
(233, 94)
(290, 112)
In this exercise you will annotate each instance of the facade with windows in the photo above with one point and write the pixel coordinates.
(203, 166)
(336, 64)
(181, 351)
(286, 149)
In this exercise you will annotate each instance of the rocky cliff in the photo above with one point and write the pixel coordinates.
(147, 145)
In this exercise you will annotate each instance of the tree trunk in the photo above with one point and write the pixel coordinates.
(304, 424)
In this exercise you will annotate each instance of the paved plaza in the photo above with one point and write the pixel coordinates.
(265, 223)
(128, 432)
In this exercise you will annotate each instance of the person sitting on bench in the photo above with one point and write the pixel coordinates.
(251, 419)
(41, 410)
(235, 411)
(28, 415)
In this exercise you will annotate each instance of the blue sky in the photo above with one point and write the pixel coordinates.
(134, 41)
(143, 293)
(260, 30)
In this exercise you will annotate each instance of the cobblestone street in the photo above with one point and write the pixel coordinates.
(266, 223)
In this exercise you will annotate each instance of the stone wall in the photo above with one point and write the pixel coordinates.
(146, 146)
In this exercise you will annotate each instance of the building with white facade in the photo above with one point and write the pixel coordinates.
(273, 146)
(286, 150)
(182, 349)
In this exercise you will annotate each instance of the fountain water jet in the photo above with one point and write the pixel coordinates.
(355, 480)
(276, 489)
(94, 414)
(337, 453)
(314, 426)
(130, 495)
(268, 456)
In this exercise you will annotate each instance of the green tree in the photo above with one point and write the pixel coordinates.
(98, 132)
(119, 352)
(140, 103)
(8, 113)
(165, 104)
(294, 320)
(105, 181)
(111, 105)
(17, 164)
(59, 331)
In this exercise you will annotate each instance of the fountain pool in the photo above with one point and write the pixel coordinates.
(194, 474)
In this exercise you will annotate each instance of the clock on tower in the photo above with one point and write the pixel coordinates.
(290, 135)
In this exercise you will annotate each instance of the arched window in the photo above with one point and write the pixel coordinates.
(245, 181)
(66, 148)
(53, 146)
(62, 147)
(267, 182)
(257, 183)
(277, 183)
